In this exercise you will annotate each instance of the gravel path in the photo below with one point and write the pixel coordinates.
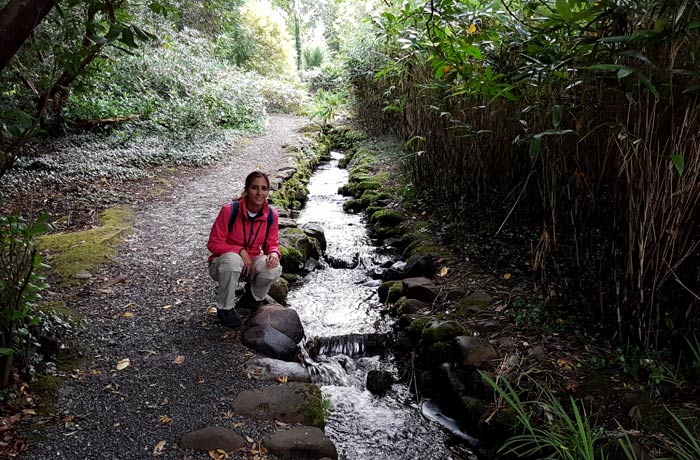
(184, 370)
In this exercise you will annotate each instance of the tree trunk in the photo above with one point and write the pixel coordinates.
(17, 21)
(297, 32)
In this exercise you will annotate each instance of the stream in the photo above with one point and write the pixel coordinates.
(341, 306)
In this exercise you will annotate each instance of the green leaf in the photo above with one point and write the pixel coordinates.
(564, 10)
(556, 116)
(128, 38)
(625, 72)
(606, 67)
(691, 89)
(535, 146)
(679, 163)
(645, 81)
(6, 351)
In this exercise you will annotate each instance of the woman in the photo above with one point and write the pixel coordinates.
(245, 244)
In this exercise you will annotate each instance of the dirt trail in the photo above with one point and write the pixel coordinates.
(183, 366)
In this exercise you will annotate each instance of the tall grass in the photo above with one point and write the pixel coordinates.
(584, 130)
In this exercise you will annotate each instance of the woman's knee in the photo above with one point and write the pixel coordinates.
(230, 262)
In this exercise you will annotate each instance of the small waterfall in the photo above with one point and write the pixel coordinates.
(353, 345)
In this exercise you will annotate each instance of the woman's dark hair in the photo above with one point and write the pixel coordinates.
(254, 175)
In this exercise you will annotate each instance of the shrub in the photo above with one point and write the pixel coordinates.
(273, 49)
(20, 284)
(313, 56)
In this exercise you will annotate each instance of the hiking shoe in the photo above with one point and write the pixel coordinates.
(247, 301)
(228, 318)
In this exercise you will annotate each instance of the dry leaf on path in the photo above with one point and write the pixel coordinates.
(249, 439)
(443, 271)
(282, 379)
(127, 314)
(507, 276)
(165, 420)
(123, 364)
(159, 448)
(179, 360)
(167, 307)
(212, 310)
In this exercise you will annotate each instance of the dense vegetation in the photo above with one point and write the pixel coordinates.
(577, 118)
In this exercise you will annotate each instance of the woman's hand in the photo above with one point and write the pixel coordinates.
(273, 260)
(247, 264)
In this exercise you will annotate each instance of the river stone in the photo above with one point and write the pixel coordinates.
(420, 266)
(279, 290)
(285, 222)
(314, 230)
(423, 289)
(284, 320)
(473, 351)
(475, 302)
(294, 402)
(271, 342)
(410, 306)
(378, 382)
(301, 443)
(82, 275)
(212, 438)
(270, 369)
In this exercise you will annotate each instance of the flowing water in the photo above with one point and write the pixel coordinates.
(340, 305)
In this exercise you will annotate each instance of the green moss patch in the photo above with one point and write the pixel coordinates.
(312, 410)
(70, 253)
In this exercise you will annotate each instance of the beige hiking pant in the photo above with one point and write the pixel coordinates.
(226, 269)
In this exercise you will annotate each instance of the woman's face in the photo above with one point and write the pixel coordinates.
(257, 192)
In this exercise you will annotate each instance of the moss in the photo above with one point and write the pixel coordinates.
(353, 205)
(388, 286)
(415, 330)
(441, 332)
(292, 259)
(69, 253)
(395, 293)
(290, 277)
(312, 409)
(438, 352)
(387, 217)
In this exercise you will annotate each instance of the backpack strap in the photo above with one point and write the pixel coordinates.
(234, 213)
(270, 219)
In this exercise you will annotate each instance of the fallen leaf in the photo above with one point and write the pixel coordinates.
(282, 424)
(443, 271)
(212, 310)
(123, 364)
(507, 276)
(127, 314)
(29, 412)
(249, 439)
(179, 360)
(282, 379)
(165, 420)
(238, 424)
(167, 307)
(159, 448)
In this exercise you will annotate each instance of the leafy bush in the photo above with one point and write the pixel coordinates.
(330, 76)
(283, 96)
(173, 86)
(21, 282)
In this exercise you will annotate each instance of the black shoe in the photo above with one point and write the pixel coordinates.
(247, 301)
(228, 318)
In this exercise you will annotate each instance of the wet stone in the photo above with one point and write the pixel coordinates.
(314, 230)
(271, 342)
(293, 402)
(284, 320)
(301, 443)
(271, 369)
(423, 289)
(379, 382)
(279, 290)
(212, 438)
(285, 222)
(474, 351)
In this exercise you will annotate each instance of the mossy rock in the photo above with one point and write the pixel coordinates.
(292, 259)
(291, 278)
(390, 291)
(312, 410)
(415, 330)
(383, 231)
(87, 250)
(438, 352)
(279, 291)
(371, 196)
(441, 331)
(387, 217)
(372, 209)
(365, 185)
(354, 205)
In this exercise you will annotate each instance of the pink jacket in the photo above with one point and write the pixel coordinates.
(244, 233)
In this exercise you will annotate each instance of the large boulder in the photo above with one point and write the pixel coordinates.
(296, 248)
(301, 443)
(212, 438)
(421, 288)
(292, 403)
(271, 342)
(284, 320)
